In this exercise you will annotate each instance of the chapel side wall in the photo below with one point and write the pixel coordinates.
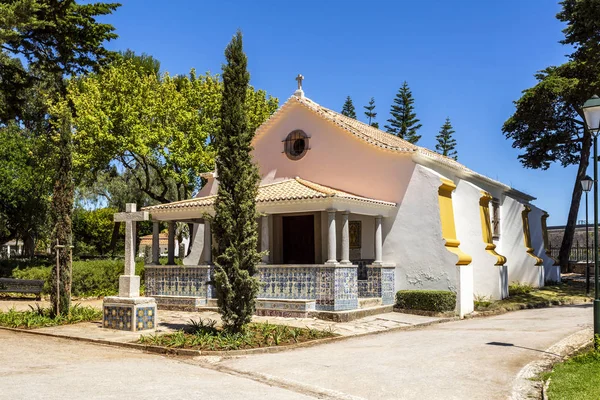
(413, 238)
(487, 277)
(336, 158)
(551, 271)
(521, 266)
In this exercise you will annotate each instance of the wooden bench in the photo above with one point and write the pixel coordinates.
(9, 285)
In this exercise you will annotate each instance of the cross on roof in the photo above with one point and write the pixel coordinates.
(299, 78)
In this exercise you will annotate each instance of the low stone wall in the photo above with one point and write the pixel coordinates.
(379, 283)
(288, 281)
(332, 287)
(177, 280)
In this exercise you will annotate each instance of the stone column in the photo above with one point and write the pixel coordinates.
(207, 242)
(331, 238)
(171, 244)
(264, 237)
(155, 243)
(130, 241)
(378, 241)
(345, 238)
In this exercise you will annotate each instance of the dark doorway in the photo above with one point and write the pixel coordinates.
(299, 239)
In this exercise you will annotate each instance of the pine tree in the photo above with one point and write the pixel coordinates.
(404, 122)
(348, 110)
(235, 225)
(370, 111)
(446, 144)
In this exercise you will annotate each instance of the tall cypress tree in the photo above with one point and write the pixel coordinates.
(404, 122)
(235, 225)
(348, 110)
(370, 112)
(446, 144)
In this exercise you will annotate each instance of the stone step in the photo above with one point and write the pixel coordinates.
(351, 315)
(179, 303)
(368, 302)
(211, 303)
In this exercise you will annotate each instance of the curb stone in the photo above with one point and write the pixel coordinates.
(230, 353)
(524, 385)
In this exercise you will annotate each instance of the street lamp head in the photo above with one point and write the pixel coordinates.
(587, 183)
(591, 111)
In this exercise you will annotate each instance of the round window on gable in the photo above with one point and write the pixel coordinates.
(296, 145)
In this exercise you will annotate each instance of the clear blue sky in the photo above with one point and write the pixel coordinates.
(468, 60)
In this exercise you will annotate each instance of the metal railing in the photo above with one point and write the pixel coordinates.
(577, 253)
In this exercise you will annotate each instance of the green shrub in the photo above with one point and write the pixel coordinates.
(517, 288)
(426, 300)
(90, 278)
(482, 301)
(9, 265)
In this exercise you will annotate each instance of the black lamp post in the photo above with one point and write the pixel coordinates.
(591, 112)
(586, 185)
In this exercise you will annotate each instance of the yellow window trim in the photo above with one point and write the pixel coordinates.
(447, 221)
(486, 227)
(527, 236)
(546, 241)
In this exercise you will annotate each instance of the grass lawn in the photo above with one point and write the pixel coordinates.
(522, 296)
(577, 378)
(205, 335)
(41, 317)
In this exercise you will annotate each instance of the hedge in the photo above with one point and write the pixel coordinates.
(426, 300)
(90, 278)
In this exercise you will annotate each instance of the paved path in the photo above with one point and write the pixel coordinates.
(454, 360)
(36, 367)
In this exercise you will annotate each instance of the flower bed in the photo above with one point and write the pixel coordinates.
(205, 335)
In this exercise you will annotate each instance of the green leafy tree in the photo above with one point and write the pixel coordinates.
(25, 187)
(92, 230)
(348, 110)
(235, 221)
(404, 122)
(159, 128)
(548, 120)
(57, 40)
(446, 144)
(370, 112)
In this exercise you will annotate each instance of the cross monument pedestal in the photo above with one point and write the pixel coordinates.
(128, 311)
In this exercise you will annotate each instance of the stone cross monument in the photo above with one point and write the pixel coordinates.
(129, 311)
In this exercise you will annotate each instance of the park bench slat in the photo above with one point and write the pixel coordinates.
(11, 285)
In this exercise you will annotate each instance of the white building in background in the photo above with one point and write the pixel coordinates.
(363, 213)
(10, 249)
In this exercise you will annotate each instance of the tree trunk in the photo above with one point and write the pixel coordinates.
(115, 237)
(62, 204)
(28, 245)
(567, 242)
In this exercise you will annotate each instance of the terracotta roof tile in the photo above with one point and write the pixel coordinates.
(286, 190)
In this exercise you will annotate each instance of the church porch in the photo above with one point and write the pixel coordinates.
(323, 253)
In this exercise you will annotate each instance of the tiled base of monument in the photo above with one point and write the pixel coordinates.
(129, 313)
